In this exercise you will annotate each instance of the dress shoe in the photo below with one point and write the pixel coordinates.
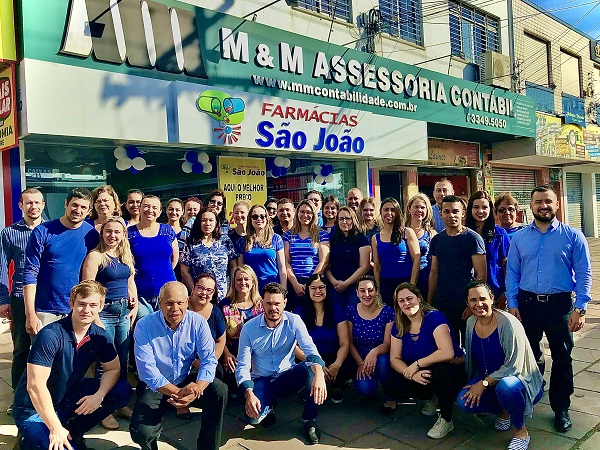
(562, 421)
(313, 434)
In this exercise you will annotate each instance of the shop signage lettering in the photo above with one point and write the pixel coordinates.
(140, 33)
(243, 179)
(8, 114)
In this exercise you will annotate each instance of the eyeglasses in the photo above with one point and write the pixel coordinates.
(317, 288)
(215, 202)
(209, 291)
(345, 219)
(503, 210)
(258, 216)
(271, 208)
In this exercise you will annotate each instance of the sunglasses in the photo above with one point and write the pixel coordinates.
(258, 216)
(503, 210)
(215, 202)
(271, 208)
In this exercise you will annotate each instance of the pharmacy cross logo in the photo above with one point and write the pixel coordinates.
(226, 110)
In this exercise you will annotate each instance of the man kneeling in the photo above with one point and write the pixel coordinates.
(266, 368)
(54, 404)
(166, 344)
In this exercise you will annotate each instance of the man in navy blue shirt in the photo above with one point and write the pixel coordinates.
(547, 262)
(54, 403)
(54, 254)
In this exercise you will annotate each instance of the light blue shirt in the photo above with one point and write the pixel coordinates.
(264, 351)
(437, 219)
(548, 263)
(165, 356)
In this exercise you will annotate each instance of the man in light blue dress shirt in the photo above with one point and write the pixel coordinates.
(441, 189)
(547, 262)
(166, 344)
(266, 369)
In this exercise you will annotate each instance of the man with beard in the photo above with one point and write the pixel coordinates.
(54, 254)
(547, 261)
(266, 368)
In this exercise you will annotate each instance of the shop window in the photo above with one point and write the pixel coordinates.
(337, 9)
(472, 32)
(543, 96)
(571, 74)
(536, 63)
(403, 18)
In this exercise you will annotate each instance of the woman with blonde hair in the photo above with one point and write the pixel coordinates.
(306, 251)
(111, 264)
(105, 204)
(419, 217)
(368, 217)
(240, 219)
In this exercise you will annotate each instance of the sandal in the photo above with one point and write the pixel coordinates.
(110, 423)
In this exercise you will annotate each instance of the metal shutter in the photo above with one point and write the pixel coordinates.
(518, 182)
(574, 200)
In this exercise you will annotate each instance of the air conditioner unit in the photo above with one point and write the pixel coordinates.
(495, 70)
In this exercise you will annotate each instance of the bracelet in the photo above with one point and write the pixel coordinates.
(418, 365)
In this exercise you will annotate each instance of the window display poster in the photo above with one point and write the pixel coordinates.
(242, 179)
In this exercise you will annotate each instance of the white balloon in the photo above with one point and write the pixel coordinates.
(329, 178)
(186, 167)
(206, 167)
(120, 153)
(269, 173)
(319, 179)
(279, 161)
(287, 163)
(123, 164)
(317, 170)
(138, 163)
(202, 158)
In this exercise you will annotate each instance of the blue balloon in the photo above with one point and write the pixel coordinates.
(132, 152)
(276, 171)
(327, 170)
(197, 168)
(134, 170)
(191, 157)
(283, 171)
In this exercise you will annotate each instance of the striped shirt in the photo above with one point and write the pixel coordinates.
(304, 254)
(13, 240)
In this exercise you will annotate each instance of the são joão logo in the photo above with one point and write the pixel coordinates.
(225, 109)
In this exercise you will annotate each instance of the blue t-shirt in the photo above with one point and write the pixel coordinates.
(511, 231)
(368, 334)
(152, 256)
(424, 242)
(423, 344)
(372, 232)
(496, 252)
(304, 254)
(114, 278)
(216, 323)
(396, 261)
(488, 354)
(325, 338)
(344, 256)
(53, 259)
(234, 236)
(262, 260)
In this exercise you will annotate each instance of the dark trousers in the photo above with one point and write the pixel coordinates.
(446, 381)
(387, 288)
(551, 318)
(293, 299)
(35, 433)
(21, 340)
(150, 407)
(454, 316)
(346, 372)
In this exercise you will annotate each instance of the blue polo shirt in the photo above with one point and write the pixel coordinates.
(55, 346)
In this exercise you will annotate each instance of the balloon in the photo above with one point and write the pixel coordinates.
(279, 161)
(133, 170)
(202, 158)
(329, 178)
(270, 174)
(139, 163)
(186, 167)
(317, 170)
(120, 153)
(270, 164)
(123, 164)
(132, 152)
(319, 179)
(286, 162)
(197, 167)
(327, 170)
(283, 171)
(207, 168)
(276, 171)
(191, 157)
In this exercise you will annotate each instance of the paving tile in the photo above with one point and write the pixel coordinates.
(543, 419)
(594, 367)
(289, 437)
(100, 439)
(591, 333)
(592, 443)
(588, 342)
(586, 355)
(376, 441)
(587, 380)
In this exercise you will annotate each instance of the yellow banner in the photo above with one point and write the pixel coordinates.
(8, 46)
(8, 109)
(243, 179)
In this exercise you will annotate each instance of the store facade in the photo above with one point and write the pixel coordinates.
(151, 95)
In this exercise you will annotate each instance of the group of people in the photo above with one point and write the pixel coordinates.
(444, 303)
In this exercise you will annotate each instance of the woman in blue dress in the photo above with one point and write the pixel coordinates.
(208, 251)
(331, 206)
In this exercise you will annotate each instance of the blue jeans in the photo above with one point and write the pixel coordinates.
(508, 394)
(368, 387)
(35, 433)
(147, 305)
(343, 299)
(114, 317)
(290, 382)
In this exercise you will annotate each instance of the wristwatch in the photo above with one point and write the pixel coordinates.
(485, 383)
(580, 311)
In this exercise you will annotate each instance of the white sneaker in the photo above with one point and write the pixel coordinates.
(430, 407)
(440, 429)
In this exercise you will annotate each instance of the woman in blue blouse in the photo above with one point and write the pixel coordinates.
(262, 249)
(331, 206)
(368, 217)
(349, 258)
(480, 218)
(370, 323)
(105, 204)
(507, 208)
(306, 252)
(396, 254)
(155, 254)
(327, 325)
(425, 356)
(207, 251)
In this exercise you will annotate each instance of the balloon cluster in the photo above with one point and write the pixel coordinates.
(129, 158)
(196, 163)
(323, 174)
(278, 167)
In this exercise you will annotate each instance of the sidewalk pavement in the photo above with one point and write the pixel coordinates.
(354, 424)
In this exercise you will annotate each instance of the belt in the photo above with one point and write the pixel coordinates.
(545, 298)
(119, 300)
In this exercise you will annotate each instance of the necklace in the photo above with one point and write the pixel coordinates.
(485, 371)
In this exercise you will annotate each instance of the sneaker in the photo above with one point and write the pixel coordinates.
(519, 444)
(502, 424)
(336, 396)
(430, 408)
(313, 434)
(440, 429)
(269, 420)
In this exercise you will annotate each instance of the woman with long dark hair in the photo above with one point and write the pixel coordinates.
(217, 201)
(132, 207)
(331, 206)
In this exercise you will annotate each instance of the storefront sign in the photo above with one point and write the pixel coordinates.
(453, 153)
(8, 46)
(595, 51)
(566, 141)
(243, 179)
(574, 110)
(8, 111)
(230, 51)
